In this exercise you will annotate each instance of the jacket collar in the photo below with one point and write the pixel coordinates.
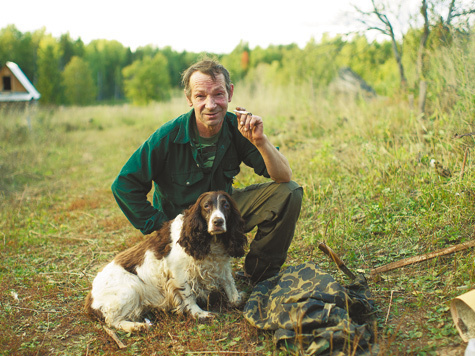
(185, 131)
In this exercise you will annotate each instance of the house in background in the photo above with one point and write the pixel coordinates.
(15, 88)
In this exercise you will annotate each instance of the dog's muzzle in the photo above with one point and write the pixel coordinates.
(217, 223)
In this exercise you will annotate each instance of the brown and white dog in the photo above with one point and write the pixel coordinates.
(187, 259)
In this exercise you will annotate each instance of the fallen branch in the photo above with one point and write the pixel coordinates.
(35, 310)
(114, 337)
(417, 259)
(463, 135)
(218, 352)
(340, 264)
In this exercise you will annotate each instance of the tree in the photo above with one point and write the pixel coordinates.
(106, 60)
(378, 19)
(49, 74)
(234, 61)
(444, 17)
(460, 13)
(315, 64)
(19, 48)
(79, 88)
(70, 48)
(147, 80)
(177, 63)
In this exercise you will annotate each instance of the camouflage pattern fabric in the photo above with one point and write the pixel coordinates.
(312, 313)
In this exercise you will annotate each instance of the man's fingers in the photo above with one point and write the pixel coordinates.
(247, 121)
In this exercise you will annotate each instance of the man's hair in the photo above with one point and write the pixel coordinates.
(207, 66)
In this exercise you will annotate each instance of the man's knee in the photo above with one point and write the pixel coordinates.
(294, 192)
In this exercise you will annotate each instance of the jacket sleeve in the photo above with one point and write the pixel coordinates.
(249, 154)
(134, 182)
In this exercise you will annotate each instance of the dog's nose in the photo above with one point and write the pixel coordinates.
(218, 222)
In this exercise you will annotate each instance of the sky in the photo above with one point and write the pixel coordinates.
(195, 26)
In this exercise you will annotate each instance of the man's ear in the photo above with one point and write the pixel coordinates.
(188, 100)
(230, 94)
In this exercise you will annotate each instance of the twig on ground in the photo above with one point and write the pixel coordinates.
(218, 352)
(35, 310)
(463, 135)
(71, 273)
(389, 307)
(91, 261)
(463, 164)
(417, 259)
(112, 334)
(44, 336)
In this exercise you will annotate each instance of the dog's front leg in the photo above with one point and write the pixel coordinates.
(190, 305)
(235, 298)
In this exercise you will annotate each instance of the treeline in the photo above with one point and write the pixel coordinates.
(67, 71)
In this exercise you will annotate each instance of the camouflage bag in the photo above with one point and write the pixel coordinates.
(313, 313)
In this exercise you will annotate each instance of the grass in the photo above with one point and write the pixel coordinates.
(370, 194)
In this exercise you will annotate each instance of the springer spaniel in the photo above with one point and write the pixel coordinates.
(185, 260)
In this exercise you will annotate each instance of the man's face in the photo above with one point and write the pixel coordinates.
(210, 100)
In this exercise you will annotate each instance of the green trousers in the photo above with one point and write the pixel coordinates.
(274, 208)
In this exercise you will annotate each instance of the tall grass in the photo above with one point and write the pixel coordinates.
(370, 192)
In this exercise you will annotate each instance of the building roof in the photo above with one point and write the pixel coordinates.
(31, 92)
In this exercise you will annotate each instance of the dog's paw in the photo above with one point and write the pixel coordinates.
(132, 327)
(204, 316)
(238, 300)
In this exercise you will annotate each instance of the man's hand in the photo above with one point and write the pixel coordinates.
(250, 126)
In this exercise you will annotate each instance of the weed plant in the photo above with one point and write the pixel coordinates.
(370, 194)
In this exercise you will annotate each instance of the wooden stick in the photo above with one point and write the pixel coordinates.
(219, 352)
(463, 164)
(114, 337)
(463, 135)
(389, 307)
(35, 310)
(417, 259)
(340, 264)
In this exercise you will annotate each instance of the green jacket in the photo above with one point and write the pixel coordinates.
(170, 159)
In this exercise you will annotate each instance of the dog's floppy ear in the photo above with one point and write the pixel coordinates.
(194, 237)
(236, 238)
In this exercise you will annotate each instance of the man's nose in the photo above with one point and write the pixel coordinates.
(210, 103)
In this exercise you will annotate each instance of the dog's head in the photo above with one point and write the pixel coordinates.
(214, 213)
(216, 209)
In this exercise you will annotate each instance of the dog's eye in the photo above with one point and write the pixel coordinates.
(206, 206)
(226, 205)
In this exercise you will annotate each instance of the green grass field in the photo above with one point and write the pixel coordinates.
(370, 194)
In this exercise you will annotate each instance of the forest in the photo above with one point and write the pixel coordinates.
(67, 71)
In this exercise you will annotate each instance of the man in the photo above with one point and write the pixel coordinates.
(201, 151)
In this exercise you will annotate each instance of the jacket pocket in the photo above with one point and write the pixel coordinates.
(187, 179)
